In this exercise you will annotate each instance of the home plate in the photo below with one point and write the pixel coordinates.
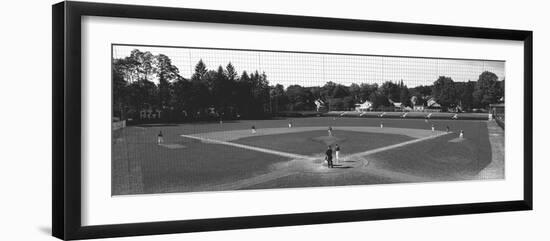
(172, 146)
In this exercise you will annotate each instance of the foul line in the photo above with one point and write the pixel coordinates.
(369, 152)
(279, 153)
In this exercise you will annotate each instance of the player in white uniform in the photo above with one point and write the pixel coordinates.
(160, 138)
(337, 149)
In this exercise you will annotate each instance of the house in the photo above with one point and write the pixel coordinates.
(319, 105)
(148, 114)
(416, 104)
(432, 105)
(365, 106)
(398, 106)
(419, 108)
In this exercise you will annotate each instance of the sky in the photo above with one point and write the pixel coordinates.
(308, 69)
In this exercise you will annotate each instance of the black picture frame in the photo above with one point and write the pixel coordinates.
(66, 127)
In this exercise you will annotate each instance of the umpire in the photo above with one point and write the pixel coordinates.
(328, 157)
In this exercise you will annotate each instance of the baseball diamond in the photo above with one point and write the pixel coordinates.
(196, 119)
(214, 157)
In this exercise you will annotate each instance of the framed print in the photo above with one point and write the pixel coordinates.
(170, 120)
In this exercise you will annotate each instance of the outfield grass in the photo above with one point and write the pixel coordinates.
(186, 168)
(139, 165)
(444, 158)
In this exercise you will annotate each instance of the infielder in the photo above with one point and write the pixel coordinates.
(160, 138)
(337, 149)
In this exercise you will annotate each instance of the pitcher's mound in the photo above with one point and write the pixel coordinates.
(329, 140)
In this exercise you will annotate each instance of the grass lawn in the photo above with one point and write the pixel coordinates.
(444, 158)
(188, 166)
(315, 180)
(139, 165)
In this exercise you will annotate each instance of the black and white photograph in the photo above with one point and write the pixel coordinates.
(194, 119)
(208, 120)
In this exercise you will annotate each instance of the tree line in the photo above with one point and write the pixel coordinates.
(143, 81)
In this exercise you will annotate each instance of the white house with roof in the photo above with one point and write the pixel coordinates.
(319, 104)
(419, 107)
(396, 105)
(432, 105)
(365, 106)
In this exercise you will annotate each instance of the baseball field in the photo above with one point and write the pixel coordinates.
(290, 152)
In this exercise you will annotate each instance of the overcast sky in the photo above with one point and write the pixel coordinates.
(317, 69)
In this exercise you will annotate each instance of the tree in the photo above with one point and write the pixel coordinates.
(142, 94)
(231, 73)
(487, 90)
(134, 89)
(444, 92)
(465, 92)
(355, 92)
(244, 94)
(220, 90)
(223, 91)
(200, 71)
(422, 91)
(316, 92)
(340, 91)
(404, 97)
(120, 86)
(299, 98)
(337, 104)
(139, 66)
(349, 102)
(378, 100)
(366, 91)
(279, 99)
(327, 90)
(166, 73)
(199, 99)
(259, 87)
(391, 90)
(182, 101)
